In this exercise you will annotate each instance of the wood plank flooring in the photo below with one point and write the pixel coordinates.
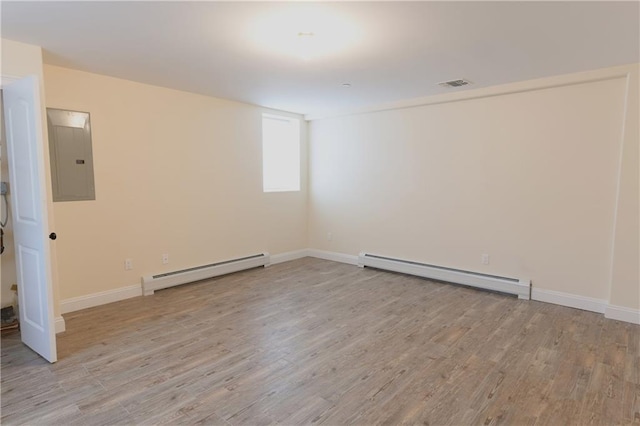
(317, 342)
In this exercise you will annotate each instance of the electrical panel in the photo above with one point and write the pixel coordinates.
(71, 155)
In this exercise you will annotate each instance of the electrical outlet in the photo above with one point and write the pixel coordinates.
(485, 259)
(329, 236)
(128, 264)
(165, 259)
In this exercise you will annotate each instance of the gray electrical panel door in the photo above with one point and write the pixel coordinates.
(71, 155)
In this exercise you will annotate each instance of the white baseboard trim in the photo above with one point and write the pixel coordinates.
(334, 256)
(570, 300)
(101, 298)
(60, 324)
(621, 313)
(320, 254)
(601, 306)
(288, 256)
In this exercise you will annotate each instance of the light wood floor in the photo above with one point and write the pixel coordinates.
(316, 342)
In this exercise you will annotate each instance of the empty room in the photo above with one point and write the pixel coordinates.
(257, 213)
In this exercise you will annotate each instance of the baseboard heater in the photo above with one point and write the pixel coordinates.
(170, 279)
(519, 287)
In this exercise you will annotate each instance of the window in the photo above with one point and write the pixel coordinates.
(280, 153)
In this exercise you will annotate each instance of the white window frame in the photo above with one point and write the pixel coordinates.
(281, 174)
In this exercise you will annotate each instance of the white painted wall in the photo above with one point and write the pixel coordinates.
(527, 173)
(175, 173)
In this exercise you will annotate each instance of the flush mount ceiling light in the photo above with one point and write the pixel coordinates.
(303, 30)
(305, 46)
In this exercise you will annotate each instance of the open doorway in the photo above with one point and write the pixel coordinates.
(7, 258)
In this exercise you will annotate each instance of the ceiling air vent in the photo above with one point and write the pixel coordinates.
(455, 83)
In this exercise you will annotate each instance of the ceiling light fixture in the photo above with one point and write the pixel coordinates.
(304, 30)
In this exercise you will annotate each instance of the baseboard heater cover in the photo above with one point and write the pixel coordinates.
(189, 275)
(519, 287)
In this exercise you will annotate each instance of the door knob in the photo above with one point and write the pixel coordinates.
(53, 236)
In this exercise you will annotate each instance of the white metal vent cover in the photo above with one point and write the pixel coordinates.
(455, 83)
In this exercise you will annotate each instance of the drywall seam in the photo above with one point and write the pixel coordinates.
(618, 183)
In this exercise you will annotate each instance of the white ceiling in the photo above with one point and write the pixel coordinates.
(388, 51)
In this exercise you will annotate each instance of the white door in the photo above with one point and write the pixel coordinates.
(23, 127)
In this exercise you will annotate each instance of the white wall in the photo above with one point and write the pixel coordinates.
(527, 173)
(175, 173)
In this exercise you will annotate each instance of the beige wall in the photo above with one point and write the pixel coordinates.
(527, 176)
(545, 180)
(20, 60)
(175, 173)
(625, 288)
